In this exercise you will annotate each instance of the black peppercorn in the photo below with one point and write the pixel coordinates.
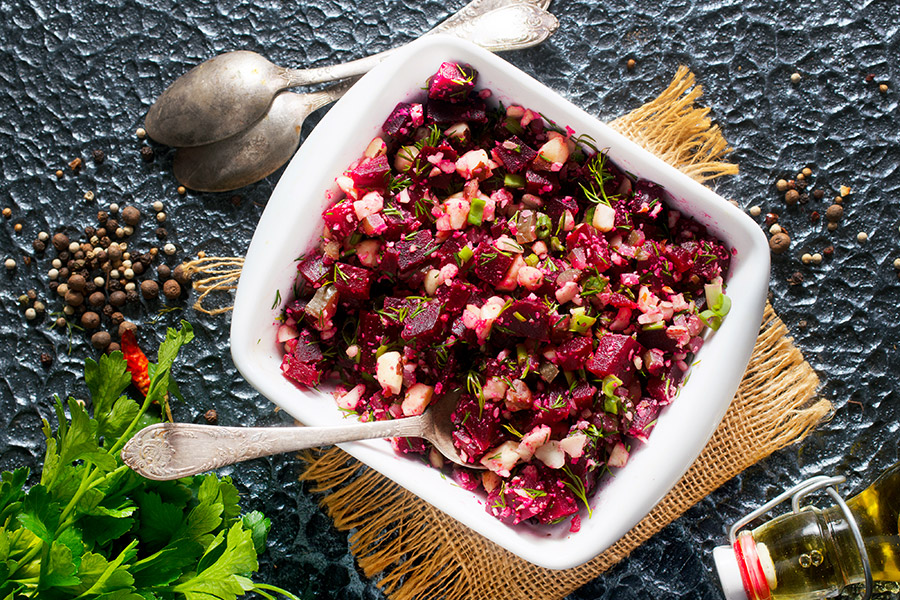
(147, 153)
(38, 246)
(46, 359)
(98, 156)
(161, 233)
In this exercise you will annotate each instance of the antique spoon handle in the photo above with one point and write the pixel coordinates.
(514, 26)
(167, 451)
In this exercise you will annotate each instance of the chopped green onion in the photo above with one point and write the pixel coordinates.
(464, 255)
(713, 294)
(513, 181)
(711, 319)
(654, 326)
(476, 211)
(581, 323)
(724, 307)
(521, 353)
(544, 226)
(589, 214)
(532, 260)
(519, 316)
(556, 245)
(610, 383)
(381, 350)
(513, 126)
(611, 406)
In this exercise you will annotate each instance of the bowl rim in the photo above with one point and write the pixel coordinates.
(741, 328)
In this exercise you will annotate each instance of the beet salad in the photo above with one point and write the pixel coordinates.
(481, 250)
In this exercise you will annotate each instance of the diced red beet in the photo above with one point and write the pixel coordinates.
(409, 445)
(573, 354)
(647, 195)
(551, 406)
(562, 504)
(313, 268)
(467, 480)
(398, 221)
(307, 350)
(540, 184)
(353, 282)
(523, 497)
(657, 338)
(370, 329)
(341, 219)
(472, 110)
(587, 248)
(400, 120)
(613, 356)
(371, 173)
(475, 434)
(583, 395)
(515, 154)
(455, 296)
(681, 257)
(414, 249)
(645, 414)
(556, 205)
(304, 373)
(491, 265)
(525, 318)
(423, 324)
(452, 82)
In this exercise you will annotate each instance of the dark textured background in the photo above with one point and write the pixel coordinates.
(80, 75)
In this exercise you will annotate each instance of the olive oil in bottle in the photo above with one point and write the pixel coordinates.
(814, 553)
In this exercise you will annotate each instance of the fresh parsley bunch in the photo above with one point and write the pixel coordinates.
(93, 529)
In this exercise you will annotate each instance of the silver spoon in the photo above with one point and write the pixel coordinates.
(255, 152)
(173, 450)
(228, 93)
(261, 149)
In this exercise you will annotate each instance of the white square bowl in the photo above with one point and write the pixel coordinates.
(291, 225)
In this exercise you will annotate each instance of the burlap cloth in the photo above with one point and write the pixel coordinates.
(416, 553)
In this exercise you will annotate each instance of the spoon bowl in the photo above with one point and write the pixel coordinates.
(258, 150)
(167, 451)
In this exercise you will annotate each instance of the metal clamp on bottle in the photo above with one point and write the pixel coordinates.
(739, 567)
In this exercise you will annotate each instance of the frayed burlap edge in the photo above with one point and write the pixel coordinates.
(420, 554)
(674, 128)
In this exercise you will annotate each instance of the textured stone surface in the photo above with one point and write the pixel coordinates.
(80, 75)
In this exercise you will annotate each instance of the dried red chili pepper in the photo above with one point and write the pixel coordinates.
(137, 362)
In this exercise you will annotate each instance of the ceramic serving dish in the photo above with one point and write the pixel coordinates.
(291, 225)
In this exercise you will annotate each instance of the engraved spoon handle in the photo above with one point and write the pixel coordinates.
(514, 26)
(166, 451)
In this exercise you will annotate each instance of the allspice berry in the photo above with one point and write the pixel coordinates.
(126, 326)
(171, 289)
(76, 283)
(90, 320)
(149, 289)
(779, 243)
(97, 299)
(131, 215)
(834, 213)
(117, 298)
(113, 347)
(101, 340)
(114, 252)
(181, 276)
(792, 196)
(117, 318)
(60, 241)
(163, 272)
(74, 298)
